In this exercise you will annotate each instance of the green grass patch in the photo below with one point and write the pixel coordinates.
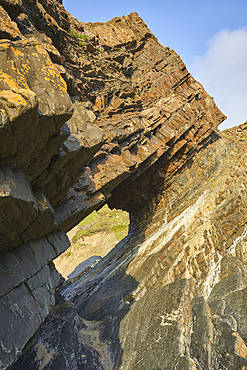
(104, 220)
(81, 44)
(78, 34)
(120, 230)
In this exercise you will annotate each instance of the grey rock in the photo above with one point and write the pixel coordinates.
(139, 136)
(28, 281)
(83, 267)
(18, 207)
(23, 309)
(11, 273)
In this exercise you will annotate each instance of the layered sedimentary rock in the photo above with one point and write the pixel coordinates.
(102, 113)
(171, 295)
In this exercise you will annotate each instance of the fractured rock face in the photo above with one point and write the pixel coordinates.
(102, 113)
(28, 283)
(172, 293)
(8, 29)
(136, 108)
(32, 107)
(13, 7)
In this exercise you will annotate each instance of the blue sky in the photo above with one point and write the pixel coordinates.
(210, 36)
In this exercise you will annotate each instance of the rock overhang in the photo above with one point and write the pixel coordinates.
(81, 127)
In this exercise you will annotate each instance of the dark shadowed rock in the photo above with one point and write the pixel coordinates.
(34, 108)
(172, 293)
(102, 113)
(82, 268)
(8, 28)
(18, 207)
(13, 7)
(28, 284)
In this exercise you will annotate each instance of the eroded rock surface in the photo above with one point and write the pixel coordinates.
(102, 113)
(171, 295)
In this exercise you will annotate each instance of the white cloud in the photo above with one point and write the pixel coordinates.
(223, 72)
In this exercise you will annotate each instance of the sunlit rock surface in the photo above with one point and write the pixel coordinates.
(114, 117)
(172, 293)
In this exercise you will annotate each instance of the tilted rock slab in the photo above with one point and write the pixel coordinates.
(129, 126)
(172, 294)
(28, 283)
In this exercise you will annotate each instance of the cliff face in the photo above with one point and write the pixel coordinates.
(171, 295)
(102, 113)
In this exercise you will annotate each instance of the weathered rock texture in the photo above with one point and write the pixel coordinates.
(171, 295)
(109, 115)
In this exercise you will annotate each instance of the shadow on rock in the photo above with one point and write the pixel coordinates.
(82, 330)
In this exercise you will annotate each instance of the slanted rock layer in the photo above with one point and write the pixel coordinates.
(102, 113)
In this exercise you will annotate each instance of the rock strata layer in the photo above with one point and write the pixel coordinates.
(102, 113)
(171, 295)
